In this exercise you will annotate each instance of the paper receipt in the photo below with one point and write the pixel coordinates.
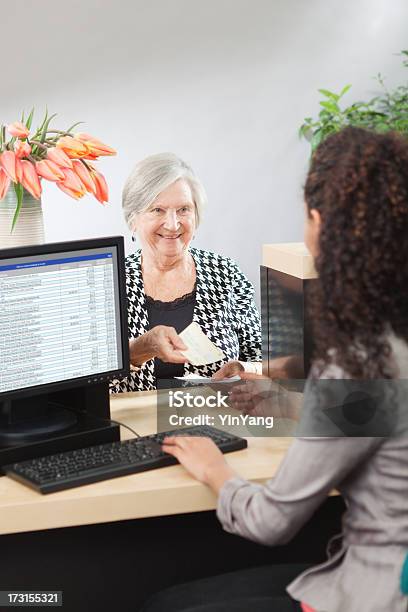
(205, 380)
(200, 349)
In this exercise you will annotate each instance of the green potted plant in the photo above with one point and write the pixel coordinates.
(387, 111)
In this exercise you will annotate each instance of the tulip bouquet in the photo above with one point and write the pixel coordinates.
(64, 157)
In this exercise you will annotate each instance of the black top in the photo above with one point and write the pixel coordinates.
(177, 314)
(225, 311)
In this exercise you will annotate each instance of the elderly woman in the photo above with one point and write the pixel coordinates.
(170, 284)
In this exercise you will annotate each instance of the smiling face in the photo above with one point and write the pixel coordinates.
(166, 228)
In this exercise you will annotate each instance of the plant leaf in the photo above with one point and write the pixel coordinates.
(43, 121)
(30, 119)
(317, 138)
(73, 126)
(329, 94)
(330, 106)
(18, 188)
(344, 90)
(40, 127)
(45, 127)
(304, 130)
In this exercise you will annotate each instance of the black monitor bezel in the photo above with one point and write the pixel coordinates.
(58, 247)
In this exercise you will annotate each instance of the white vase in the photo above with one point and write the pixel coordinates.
(29, 228)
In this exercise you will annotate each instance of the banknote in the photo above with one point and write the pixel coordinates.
(200, 349)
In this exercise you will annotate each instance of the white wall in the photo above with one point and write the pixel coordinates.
(223, 83)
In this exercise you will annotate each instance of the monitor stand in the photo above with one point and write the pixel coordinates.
(54, 422)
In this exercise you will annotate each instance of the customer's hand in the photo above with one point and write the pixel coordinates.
(200, 457)
(254, 394)
(259, 395)
(229, 369)
(160, 341)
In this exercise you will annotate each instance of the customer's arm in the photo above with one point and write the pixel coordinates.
(272, 514)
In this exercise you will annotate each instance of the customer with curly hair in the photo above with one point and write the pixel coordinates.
(357, 230)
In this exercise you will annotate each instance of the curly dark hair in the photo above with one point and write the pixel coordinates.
(358, 181)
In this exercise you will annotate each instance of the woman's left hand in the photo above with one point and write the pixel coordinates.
(201, 457)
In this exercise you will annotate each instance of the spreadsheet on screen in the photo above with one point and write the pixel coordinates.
(58, 317)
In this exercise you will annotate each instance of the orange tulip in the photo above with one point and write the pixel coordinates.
(18, 129)
(22, 149)
(8, 162)
(101, 194)
(91, 156)
(95, 146)
(71, 192)
(74, 148)
(30, 180)
(84, 175)
(59, 157)
(4, 183)
(71, 184)
(49, 170)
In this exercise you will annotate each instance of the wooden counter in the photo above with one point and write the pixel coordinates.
(290, 258)
(159, 492)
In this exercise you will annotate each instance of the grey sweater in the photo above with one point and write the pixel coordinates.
(371, 473)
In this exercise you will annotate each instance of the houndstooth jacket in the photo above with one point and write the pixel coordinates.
(224, 309)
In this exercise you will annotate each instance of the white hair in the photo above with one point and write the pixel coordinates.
(153, 175)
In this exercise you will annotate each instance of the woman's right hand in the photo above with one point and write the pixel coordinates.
(160, 341)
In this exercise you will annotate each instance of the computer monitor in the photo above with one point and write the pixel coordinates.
(63, 335)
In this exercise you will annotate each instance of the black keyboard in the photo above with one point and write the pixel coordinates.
(94, 463)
